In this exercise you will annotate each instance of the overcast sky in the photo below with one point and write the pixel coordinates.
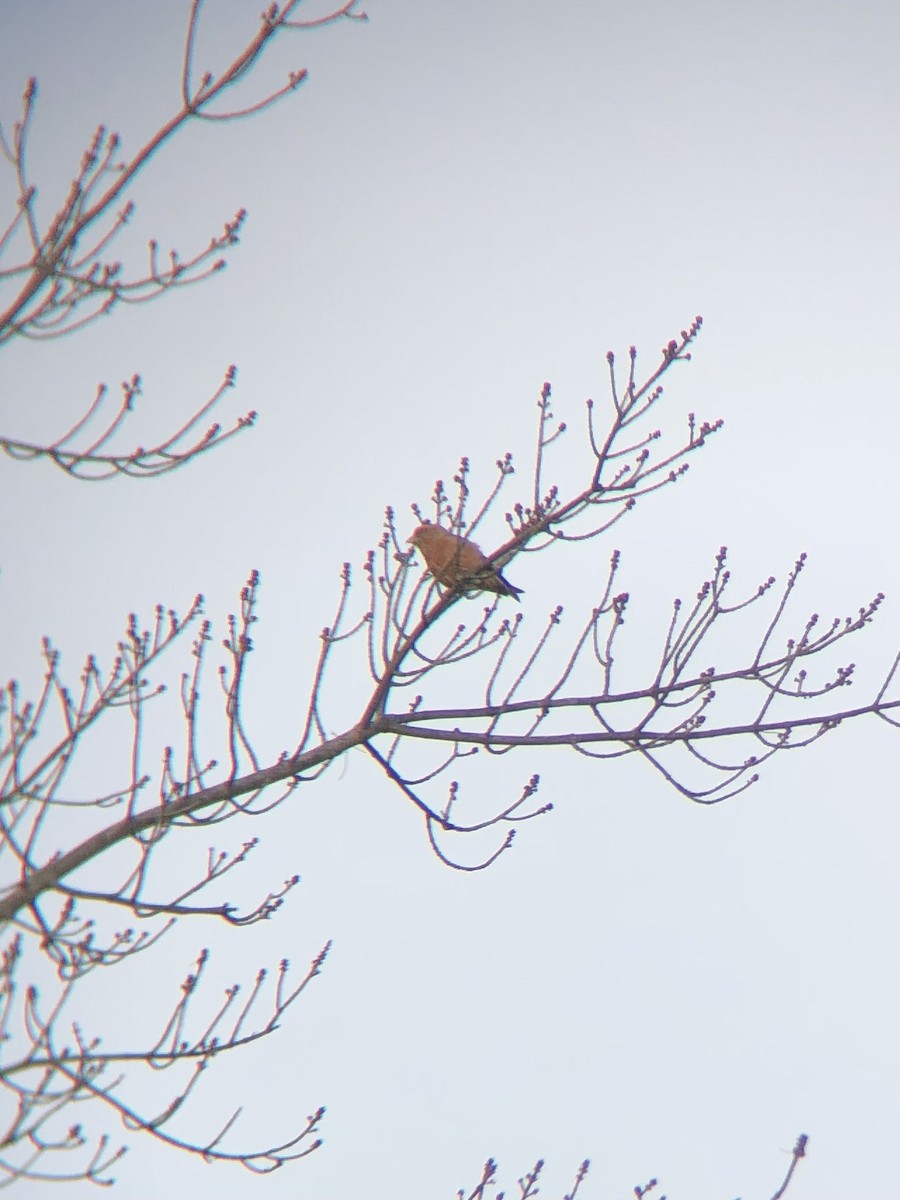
(465, 200)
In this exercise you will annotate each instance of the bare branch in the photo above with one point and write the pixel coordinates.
(61, 277)
(434, 692)
(798, 1152)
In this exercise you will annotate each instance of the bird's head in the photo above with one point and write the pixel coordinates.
(421, 534)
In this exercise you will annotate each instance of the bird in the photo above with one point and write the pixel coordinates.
(458, 563)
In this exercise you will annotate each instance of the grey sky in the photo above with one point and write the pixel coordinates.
(463, 201)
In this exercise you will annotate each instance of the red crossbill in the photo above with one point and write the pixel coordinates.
(458, 563)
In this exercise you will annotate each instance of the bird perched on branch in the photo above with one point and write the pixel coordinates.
(458, 563)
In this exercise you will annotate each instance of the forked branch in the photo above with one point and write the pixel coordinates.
(57, 274)
(441, 697)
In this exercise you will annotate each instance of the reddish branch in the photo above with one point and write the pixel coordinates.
(525, 691)
(528, 1184)
(56, 277)
(61, 277)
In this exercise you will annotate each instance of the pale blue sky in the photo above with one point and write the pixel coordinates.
(463, 201)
